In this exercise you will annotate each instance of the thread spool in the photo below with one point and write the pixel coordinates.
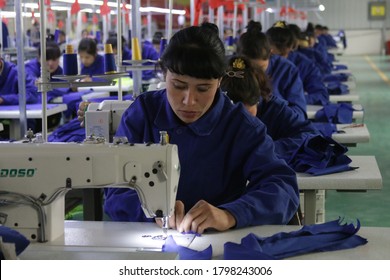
(163, 45)
(135, 49)
(70, 61)
(109, 60)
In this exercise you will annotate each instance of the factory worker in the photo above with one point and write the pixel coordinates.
(284, 43)
(246, 83)
(284, 76)
(230, 175)
(9, 88)
(92, 63)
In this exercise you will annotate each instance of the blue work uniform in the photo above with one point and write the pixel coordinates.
(323, 64)
(311, 77)
(286, 83)
(226, 159)
(9, 88)
(33, 68)
(96, 68)
(284, 125)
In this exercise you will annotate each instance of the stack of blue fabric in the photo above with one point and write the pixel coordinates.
(330, 236)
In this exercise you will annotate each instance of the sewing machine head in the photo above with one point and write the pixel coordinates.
(35, 176)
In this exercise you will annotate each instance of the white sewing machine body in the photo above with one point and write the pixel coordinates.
(37, 175)
(102, 119)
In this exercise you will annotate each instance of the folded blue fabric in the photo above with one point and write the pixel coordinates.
(337, 88)
(339, 77)
(326, 129)
(335, 113)
(319, 155)
(328, 236)
(185, 253)
(340, 67)
(12, 236)
(68, 132)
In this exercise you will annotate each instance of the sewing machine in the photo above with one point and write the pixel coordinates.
(102, 119)
(34, 178)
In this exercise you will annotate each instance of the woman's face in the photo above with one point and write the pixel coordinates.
(190, 98)
(86, 58)
(52, 64)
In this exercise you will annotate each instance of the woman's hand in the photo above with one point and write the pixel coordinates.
(81, 112)
(176, 218)
(204, 215)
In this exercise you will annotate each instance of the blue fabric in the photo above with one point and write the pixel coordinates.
(337, 88)
(9, 88)
(320, 155)
(226, 158)
(326, 129)
(335, 113)
(286, 83)
(311, 77)
(314, 55)
(340, 67)
(68, 132)
(185, 253)
(324, 237)
(12, 236)
(339, 77)
(284, 125)
(96, 68)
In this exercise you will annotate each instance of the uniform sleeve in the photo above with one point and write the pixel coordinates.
(317, 94)
(294, 93)
(271, 196)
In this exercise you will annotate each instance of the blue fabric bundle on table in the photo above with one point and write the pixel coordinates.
(326, 129)
(329, 236)
(69, 132)
(12, 236)
(339, 67)
(335, 113)
(339, 77)
(319, 155)
(337, 88)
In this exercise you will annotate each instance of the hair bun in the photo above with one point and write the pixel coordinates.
(210, 26)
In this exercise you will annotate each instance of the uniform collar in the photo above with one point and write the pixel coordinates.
(166, 118)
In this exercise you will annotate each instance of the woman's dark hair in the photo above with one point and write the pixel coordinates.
(253, 43)
(88, 45)
(281, 37)
(196, 51)
(113, 40)
(244, 82)
(297, 33)
(53, 51)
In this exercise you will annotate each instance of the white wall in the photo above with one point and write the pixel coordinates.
(361, 42)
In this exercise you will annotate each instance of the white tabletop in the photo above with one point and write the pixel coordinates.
(366, 177)
(32, 112)
(114, 88)
(351, 134)
(115, 240)
(378, 246)
(358, 114)
(352, 96)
